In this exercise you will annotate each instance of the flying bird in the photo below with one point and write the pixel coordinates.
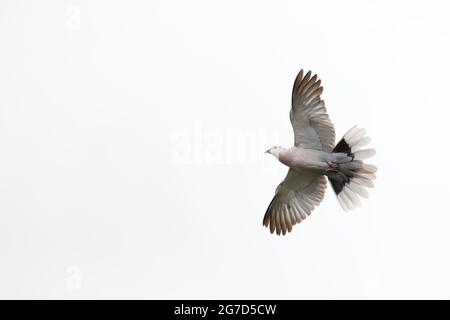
(314, 158)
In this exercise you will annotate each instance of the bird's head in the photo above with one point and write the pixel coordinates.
(275, 151)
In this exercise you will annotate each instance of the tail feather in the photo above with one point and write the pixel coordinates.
(353, 176)
(364, 154)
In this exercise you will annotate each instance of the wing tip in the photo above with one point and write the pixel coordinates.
(281, 227)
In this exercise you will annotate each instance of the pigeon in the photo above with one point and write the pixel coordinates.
(314, 158)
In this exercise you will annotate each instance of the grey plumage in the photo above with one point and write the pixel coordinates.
(315, 156)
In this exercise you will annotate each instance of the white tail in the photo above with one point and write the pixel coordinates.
(353, 176)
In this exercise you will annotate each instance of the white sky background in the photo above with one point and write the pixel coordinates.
(132, 138)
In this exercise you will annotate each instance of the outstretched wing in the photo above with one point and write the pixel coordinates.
(312, 126)
(295, 199)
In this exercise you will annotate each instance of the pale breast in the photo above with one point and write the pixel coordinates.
(298, 158)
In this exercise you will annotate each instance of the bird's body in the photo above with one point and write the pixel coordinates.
(306, 159)
(315, 156)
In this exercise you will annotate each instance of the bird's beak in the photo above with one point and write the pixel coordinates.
(268, 151)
